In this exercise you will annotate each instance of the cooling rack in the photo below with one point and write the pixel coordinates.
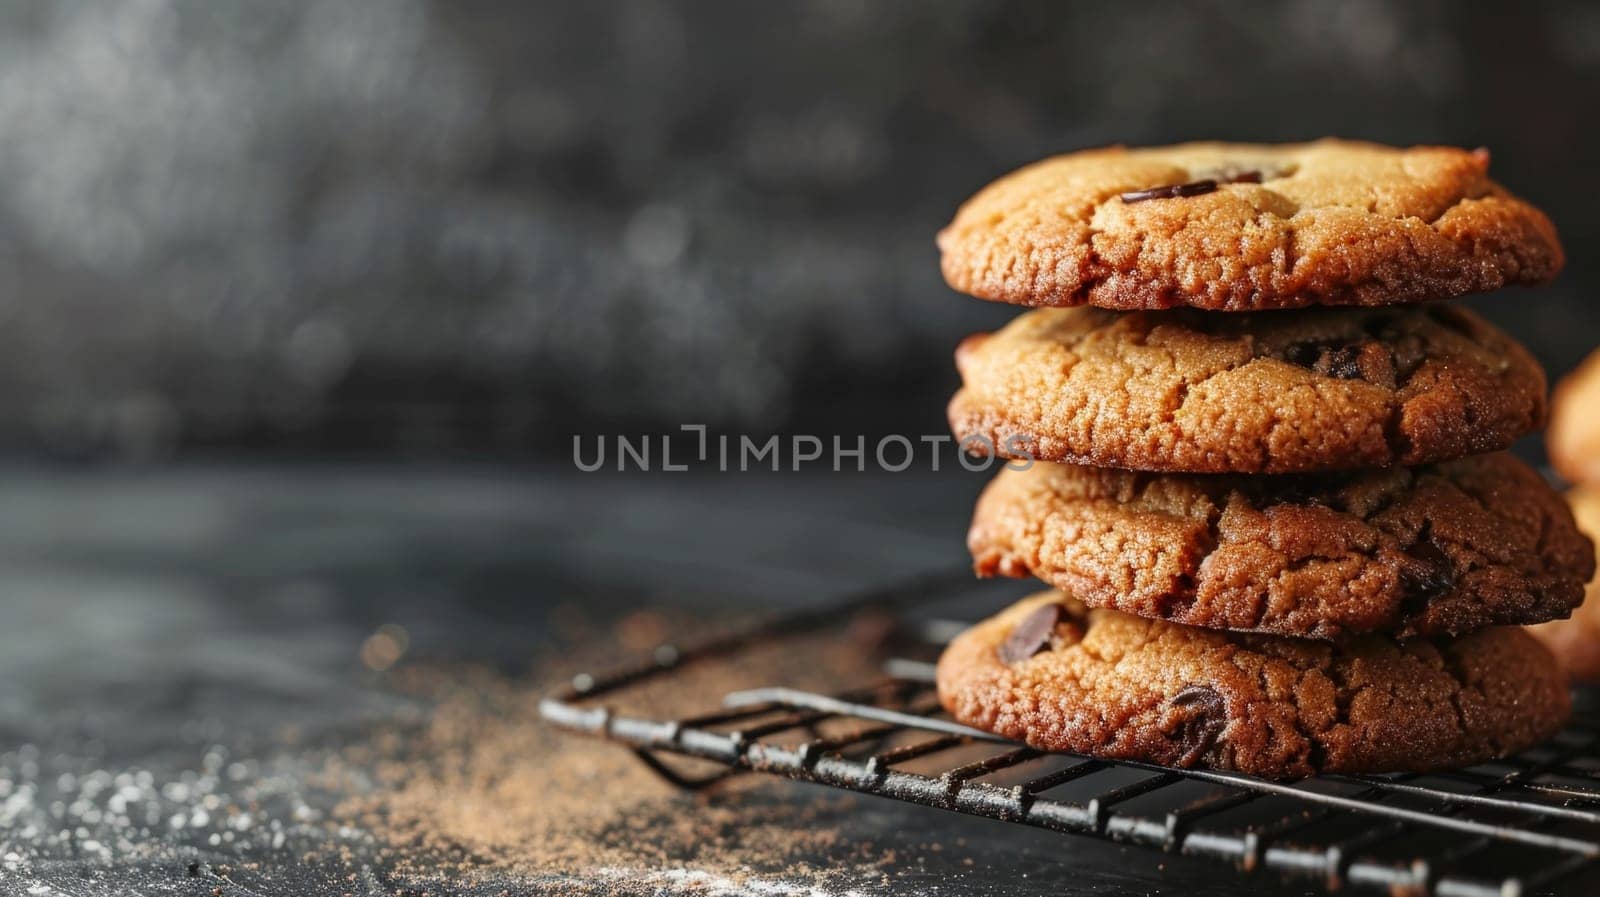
(1526, 825)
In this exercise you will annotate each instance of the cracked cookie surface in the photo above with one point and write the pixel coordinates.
(1279, 226)
(1576, 641)
(1122, 687)
(1443, 549)
(1269, 392)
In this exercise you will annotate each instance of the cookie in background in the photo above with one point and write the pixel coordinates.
(1576, 640)
(1573, 442)
(1573, 438)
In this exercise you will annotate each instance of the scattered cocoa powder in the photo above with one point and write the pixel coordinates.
(488, 791)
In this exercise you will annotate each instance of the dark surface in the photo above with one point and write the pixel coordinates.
(173, 635)
(444, 226)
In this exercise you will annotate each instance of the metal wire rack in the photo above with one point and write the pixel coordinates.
(1529, 824)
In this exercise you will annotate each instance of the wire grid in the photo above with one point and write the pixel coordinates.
(1528, 824)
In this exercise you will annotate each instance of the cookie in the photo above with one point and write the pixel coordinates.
(1443, 549)
(1269, 392)
(1573, 439)
(1117, 686)
(1242, 227)
(1576, 641)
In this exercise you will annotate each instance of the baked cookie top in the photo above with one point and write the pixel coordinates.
(1060, 677)
(1241, 227)
(1574, 435)
(1268, 392)
(1576, 641)
(1444, 549)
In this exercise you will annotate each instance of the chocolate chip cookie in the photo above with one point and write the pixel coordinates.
(1576, 641)
(1061, 677)
(1269, 392)
(1574, 435)
(1443, 549)
(1241, 227)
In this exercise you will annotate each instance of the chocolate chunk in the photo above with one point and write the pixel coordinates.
(1202, 714)
(1293, 489)
(1346, 359)
(1171, 191)
(1335, 359)
(1032, 635)
(1303, 354)
(1427, 572)
(1203, 696)
(1244, 177)
(1343, 362)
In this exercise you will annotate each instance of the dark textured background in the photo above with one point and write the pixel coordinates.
(396, 226)
(373, 229)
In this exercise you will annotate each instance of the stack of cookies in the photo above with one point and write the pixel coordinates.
(1263, 470)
